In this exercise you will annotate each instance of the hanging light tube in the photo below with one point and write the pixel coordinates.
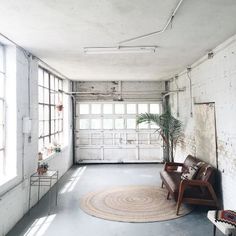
(120, 49)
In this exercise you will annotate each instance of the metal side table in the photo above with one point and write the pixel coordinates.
(47, 179)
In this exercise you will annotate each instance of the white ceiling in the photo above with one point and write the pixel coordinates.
(57, 30)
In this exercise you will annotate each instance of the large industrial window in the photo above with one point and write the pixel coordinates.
(2, 111)
(114, 116)
(50, 89)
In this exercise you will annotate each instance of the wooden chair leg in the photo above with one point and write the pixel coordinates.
(168, 196)
(162, 184)
(212, 192)
(180, 198)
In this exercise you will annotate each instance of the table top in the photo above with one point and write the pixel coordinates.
(48, 174)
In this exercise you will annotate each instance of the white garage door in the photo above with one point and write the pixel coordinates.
(107, 132)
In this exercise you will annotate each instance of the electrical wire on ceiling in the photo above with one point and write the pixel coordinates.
(134, 49)
(169, 22)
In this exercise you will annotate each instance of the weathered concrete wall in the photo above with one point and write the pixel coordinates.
(213, 80)
(21, 150)
(133, 90)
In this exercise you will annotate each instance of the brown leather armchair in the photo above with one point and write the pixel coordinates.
(200, 190)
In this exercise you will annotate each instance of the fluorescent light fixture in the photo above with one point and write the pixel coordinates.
(120, 49)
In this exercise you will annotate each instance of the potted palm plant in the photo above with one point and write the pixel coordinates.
(169, 128)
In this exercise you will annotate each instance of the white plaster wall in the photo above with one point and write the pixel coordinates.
(213, 80)
(14, 194)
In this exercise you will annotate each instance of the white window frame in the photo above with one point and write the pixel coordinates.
(52, 91)
(3, 101)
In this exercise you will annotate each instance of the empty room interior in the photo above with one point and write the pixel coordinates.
(117, 117)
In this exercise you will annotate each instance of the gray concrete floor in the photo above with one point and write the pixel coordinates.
(68, 219)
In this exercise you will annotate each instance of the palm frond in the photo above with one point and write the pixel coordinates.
(148, 118)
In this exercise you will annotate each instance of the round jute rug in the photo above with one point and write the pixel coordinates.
(132, 204)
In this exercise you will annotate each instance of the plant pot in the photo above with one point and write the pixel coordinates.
(41, 170)
(59, 107)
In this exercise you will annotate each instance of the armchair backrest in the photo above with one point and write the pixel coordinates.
(206, 172)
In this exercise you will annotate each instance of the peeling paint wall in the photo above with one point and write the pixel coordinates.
(213, 80)
(129, 90)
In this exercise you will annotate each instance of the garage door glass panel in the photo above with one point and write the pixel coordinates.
(95, 123)
(119, 109)
(154, 108)
(143, 126)
(96, 109)
(119, 123)
(107, 124)
(142, 108)
(84, 123)
(84, 109)
(131, 123)
(131, 108)
(107, 109)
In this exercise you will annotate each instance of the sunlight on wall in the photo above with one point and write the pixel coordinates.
(74, 180)
(39, 227)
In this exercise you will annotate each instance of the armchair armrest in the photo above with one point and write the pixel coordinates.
(194, 182)
(172, 166)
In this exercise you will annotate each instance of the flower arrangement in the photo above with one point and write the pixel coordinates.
(42, 168)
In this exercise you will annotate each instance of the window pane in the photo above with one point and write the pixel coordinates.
(46, 112)
(40, 128)
(96, 108)
(153, 126)
(131, 108)
(60, 97)
(52, 82)
(52, 97)
(60, 125)
(46, 141)
(155, 108)
(52, 126)
(56, 98)
(46, 96)
(131, 123)
(84, 123)
(41, 144)
(95, 123)
(46, 128)
(1, 59)
(40, 77)
(143, 126)
(119, 123)
(56, 84)
(142, 108)
(84, 109)
(52, 112)
(119, 109)
(41, 117)
(56, 126)
(60, 84)
(1, 85)
(46, 79)
(40, 89)
(1, 136)
(1, 162)
(1, 113)
(107, 124)
(107, 109)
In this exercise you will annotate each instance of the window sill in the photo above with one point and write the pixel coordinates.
(52, 155)
(5, 179)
